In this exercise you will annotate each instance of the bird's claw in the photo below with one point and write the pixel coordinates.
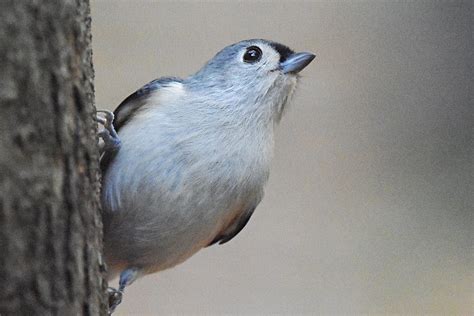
(115, 298)
(108, 133)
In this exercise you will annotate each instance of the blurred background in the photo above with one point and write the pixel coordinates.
(369, 204)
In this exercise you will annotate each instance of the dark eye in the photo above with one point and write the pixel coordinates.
(252, 54)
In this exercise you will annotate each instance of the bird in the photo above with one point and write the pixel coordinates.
(186, 160)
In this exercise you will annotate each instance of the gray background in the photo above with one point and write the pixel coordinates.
(369, 204)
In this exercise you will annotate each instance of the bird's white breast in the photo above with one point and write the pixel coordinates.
(182, 172)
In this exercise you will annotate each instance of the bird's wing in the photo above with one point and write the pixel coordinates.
(234, 228)
(129, 107)
(125, 111)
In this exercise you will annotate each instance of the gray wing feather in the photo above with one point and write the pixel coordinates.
(125, 111)
(129, 107)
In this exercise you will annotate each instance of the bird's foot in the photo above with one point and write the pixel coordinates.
(115, 298)
(127, 277)
(111, 141)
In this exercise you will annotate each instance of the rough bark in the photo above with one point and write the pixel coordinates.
(50, 227)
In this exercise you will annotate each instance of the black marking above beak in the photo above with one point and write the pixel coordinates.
(296, 62)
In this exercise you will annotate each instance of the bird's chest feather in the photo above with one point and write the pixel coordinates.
(179, 168)
(182, 190)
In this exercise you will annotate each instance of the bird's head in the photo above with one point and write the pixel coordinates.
(252, 75)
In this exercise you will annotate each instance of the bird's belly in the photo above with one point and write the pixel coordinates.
(169, 220)
(163, 206)
(177, 247)
(190, 235)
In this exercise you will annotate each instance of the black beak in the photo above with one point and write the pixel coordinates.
(296, 62)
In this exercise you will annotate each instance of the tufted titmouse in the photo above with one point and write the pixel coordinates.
(191, 158)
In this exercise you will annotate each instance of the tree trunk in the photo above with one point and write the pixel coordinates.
(50, 227)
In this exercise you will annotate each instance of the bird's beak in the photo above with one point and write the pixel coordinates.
(296, 62)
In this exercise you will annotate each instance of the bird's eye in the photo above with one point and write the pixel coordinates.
(252, 54)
